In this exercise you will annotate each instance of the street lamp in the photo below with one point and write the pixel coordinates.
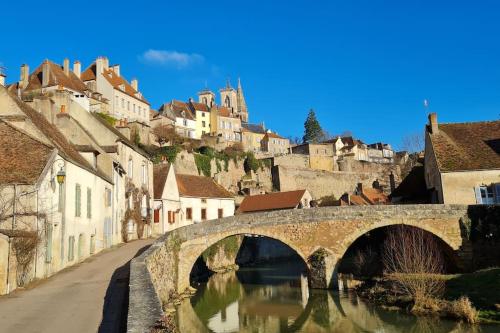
(61, 176)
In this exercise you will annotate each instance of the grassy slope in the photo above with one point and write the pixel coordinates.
(482, 288)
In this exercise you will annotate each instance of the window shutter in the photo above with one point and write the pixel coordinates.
(477, 190)
(89, 203)
(78, 195)
(157, 216)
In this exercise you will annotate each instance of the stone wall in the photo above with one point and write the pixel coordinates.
(185, 164)
(320, 183)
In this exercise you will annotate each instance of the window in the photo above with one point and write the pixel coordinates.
(133, 107)
(203, 214)
(116, 100)
(130, 168)
(144, 174)
(185, 122)
(486, 194)
(203, 123)
(107, 198)
(220, 213)
(203, 115)
(128, 105)
(78, 200)
(89, 203)
(203, 132)
(157, 216)
(123, 103)
(189, 214)
(71, 248)
(48, 244)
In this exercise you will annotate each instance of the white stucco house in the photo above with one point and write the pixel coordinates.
(186, 199)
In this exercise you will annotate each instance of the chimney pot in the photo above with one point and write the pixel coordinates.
(45, 73)
(433, 123)
(135, 84)
(66, 66)
(63, 108)
(77, 68)
(23, 81)
(360, 188)
(116, 69)
(2, 78)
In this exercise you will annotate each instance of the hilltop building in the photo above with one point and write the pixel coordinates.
(462, 162)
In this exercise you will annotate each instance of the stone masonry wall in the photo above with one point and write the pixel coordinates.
(320, 183)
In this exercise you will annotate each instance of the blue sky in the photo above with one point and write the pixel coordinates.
(364, 66)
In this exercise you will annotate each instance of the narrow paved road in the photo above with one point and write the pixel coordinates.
(87, 298)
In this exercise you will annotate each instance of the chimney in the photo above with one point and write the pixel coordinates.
(116, 69)
(105, 61)
(99, 65)
(66, 66)
(23, 81)
(2, 78)
(360, 188)
(135, 84)
(433, 123)
(77, 68)
(45, 73)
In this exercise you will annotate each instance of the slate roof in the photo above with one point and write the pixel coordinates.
(22, 157)
(200, 187)
(160, 172)
(467, 146)
(255, 128)
(271, 201)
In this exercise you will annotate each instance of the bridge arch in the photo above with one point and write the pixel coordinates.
(191, 252)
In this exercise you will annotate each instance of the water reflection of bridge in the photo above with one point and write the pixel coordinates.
(325, 311)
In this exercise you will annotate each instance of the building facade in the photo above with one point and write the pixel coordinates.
(462, 162)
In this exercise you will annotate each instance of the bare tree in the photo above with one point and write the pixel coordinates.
(166, 134)
(413, 143)
(413, 261)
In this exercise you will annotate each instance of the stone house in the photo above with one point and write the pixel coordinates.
(186, 199)
(50, 77)
(66, 197)
(364, 196)
(275, 201)
(275, 144)
(125, 99)
(347, 147)
(251, 136)
(462, 162)
(201, 114)
(225, 125)
(184, 120)
(321, 155)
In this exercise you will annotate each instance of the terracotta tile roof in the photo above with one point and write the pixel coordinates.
(273, 135)
(65, 148)
(467, 146)
(118, 82)
(200, 187)
(22, 157)
(374, 196)
(199, 106)
(160, 172)
(56, 77)
(357, 200)
(224, 112)
(271, 201)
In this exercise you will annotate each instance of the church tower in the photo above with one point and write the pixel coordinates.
(241, 104)
(228, 97)
(206, 97)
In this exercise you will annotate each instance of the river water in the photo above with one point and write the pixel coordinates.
(274, 298)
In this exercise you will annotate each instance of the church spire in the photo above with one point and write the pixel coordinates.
(242, 106)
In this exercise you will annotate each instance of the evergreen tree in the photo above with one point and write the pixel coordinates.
(312, 129)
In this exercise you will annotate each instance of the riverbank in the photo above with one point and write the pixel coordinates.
(473, 297)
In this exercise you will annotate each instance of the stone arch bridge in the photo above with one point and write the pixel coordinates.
(164, 269)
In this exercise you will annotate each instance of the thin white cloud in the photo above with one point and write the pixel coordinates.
(174, 59)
